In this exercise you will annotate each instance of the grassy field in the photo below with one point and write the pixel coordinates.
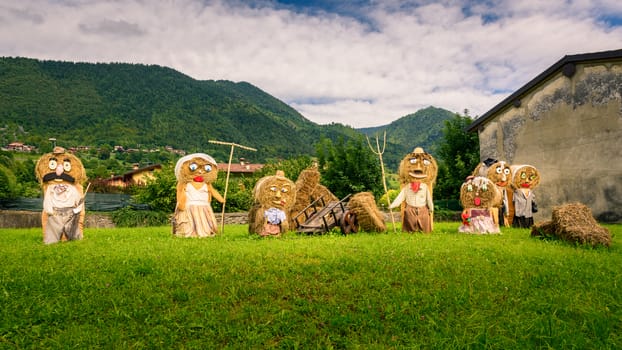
(139, 288)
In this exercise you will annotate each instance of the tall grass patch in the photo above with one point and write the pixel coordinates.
(141, 288)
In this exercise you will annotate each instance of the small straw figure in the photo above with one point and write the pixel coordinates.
(477, 196)
(61, 175)
(525, 178)
(273, 198)
(194, 216)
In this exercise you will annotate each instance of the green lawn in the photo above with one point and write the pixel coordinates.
(140, 288)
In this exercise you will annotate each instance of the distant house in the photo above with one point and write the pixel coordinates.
(19, 147)
(567, 122)
(240, 169)
(138, 177)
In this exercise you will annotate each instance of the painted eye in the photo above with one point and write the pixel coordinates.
(207, 168)
(523, 175)
(413, 160)
(67, 166)
(193, 166)
(532, 177)
(52, 164)
(469, 188)
(273, 188)
(284, 190)
(506, 171)
(498, 170)
(426, 162)
(484, 187)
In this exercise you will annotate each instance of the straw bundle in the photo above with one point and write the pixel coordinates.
(574, 223)
(308, 189)
(370, 219)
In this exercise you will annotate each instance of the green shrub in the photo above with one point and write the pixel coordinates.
(129, 217)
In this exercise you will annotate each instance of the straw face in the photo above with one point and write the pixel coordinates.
(197, 167)
(418, 166)
(61, 166)
(479, 192)
(525, 176)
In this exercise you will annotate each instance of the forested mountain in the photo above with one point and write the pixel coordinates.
(147, 106)
(421, 129)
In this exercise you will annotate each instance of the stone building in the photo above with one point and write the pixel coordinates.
(567, 122)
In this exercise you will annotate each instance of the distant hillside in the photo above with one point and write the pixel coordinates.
(421, 129)
(147, 106)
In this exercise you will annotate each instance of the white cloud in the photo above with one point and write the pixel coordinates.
(383, 62)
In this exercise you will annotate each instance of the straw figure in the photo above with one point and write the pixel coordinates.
(500, 173)
(417, 174)
(273, 198)
(477, 196)
(368, 216)
(574, 223)
(525, 178)
(308, 189)
(62, 176)
(194, 216)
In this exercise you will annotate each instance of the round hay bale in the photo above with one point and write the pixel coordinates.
(370, 219)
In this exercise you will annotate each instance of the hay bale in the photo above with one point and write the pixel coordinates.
(543, 229)
(370, 219)
(575, 223)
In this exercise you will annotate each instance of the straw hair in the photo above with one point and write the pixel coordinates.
(575, 223)
(370, 219)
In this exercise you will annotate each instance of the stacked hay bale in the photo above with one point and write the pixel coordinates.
(308, 189)
(574, 223)
(369, 218)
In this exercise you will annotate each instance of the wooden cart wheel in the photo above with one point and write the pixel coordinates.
(349, 223)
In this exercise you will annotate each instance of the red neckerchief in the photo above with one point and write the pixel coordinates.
(415, 186)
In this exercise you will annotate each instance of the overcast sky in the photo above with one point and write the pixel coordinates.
(361, 63)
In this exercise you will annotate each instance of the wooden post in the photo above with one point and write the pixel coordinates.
(233, 145)
(379, 153)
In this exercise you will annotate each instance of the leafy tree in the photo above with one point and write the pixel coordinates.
(160, 193)
(459, 155)
(349, 167)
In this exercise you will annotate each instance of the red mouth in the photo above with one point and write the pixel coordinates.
(198, 179)
(477, 201)
(525, 185)
(502, 183)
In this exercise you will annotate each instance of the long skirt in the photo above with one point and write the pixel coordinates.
(195, 221)
(416, 219)
(482, 221)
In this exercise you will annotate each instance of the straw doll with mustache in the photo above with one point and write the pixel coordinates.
(194, 216)
(61, 176)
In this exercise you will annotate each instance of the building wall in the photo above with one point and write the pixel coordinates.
(571, 130)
